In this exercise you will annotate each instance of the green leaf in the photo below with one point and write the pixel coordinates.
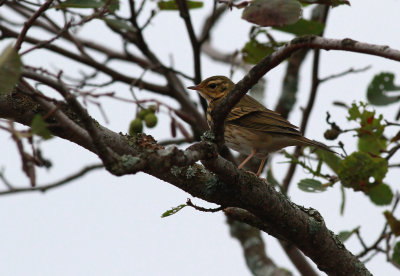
(370, 132)
(311, 185)
(173, 211)
(371, 144)
(393, 223)
(172, 6)
(381, 194)
(89, 4)
(360, 171)
(119, 24)
(113, 6)
(382, 83)
(396, 253)
(272, 12)
(39, 127)
(303, 27)
(345, 235)
(253, 52)
(10, 69)
(354, 111)
(331, 160)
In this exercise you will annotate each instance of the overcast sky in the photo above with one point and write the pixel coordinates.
(105, 225)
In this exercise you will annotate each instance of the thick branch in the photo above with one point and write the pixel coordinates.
(268, 63)
(254, 250)
(228, 187)
(293, 253)
(287, 97)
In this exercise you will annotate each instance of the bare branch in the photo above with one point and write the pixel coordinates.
(46, 187)
(254, 250)
(202, 209)
(344, 73)
(28, 166)
(184, 13)
(29, 23)
(273, 60)
(115, 75)
(58, 114)
(298, 259)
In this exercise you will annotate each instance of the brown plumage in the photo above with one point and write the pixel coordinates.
(251, 128)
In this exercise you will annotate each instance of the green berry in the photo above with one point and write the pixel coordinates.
(150, 120)
(331, 134)
(136, 126)
(142, 113)
(152, 108)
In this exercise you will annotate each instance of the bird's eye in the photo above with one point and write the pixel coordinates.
(212, 85)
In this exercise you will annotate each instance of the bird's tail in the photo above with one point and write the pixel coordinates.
(317, 144)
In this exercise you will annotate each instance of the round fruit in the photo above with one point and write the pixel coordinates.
(152, 108)
(142, 113)
(136, 126)
(150, 120)
(331, 134)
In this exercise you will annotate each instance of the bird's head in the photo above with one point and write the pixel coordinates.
(214, 88)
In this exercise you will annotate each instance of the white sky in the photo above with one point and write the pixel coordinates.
(104, 225)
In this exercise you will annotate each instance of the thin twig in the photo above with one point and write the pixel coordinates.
(184, 13)
(41, 44)
(28, 166)
(382, 235)
(344, 73)
(29, 24)
(202, 209)
(46, 187)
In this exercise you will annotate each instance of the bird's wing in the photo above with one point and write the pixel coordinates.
(250, 114)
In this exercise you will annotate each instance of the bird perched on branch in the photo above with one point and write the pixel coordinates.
(251, 128)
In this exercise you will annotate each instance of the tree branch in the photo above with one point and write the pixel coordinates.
(196, 45)
(258, 71)
(315, 82)
(46, 187)
(254, 250)
(228, 186)
(184, 13)
(29, 23)
(174, 83)
(287, 97)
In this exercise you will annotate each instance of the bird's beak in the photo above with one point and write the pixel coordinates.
(196, 87)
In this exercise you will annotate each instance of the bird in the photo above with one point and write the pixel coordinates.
(251, 128)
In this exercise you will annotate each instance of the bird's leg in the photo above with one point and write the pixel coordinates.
(253, 152)
(260, 169)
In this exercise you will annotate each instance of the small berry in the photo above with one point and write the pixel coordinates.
(136, 126)
(152, 108)
(331, 134)
(150, 120)
(143, 112)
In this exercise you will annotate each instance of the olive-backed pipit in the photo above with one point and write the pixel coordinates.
(251, 128)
